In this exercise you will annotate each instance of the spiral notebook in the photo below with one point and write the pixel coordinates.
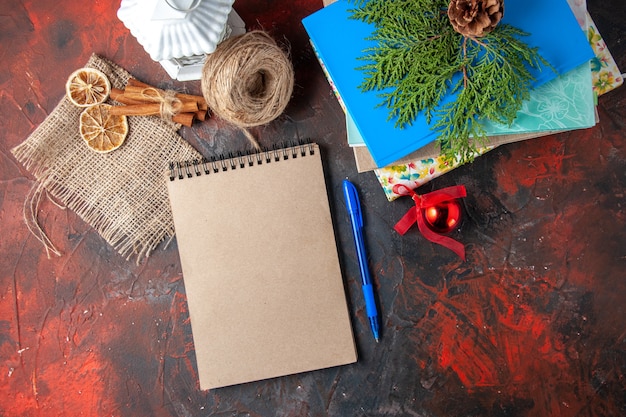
(260, 266)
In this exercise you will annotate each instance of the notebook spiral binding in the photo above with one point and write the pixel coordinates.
(206, 166)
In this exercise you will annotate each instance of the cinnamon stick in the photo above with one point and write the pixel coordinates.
(144, 109)
(119, 96)
(141, 94)
(201, 115)
(202, 104)
(151, 109)
(185, 119)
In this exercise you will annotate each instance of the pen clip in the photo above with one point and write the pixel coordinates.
(353, 203)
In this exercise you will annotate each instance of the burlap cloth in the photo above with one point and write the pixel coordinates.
(122, 194)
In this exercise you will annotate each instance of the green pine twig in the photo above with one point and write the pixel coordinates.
(419, 59)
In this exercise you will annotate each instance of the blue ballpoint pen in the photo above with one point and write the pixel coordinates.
(354, 210)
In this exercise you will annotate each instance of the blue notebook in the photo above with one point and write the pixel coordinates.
(551, 24)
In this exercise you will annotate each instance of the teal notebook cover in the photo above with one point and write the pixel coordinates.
(352, 132)
(550, 23)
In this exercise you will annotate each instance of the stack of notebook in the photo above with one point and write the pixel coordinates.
(560, 100)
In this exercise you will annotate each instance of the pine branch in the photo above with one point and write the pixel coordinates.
(419, 59)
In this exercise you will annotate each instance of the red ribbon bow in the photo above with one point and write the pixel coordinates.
(415, 214)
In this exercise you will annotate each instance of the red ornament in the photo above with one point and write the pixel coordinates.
(436, 213)
(443, 217)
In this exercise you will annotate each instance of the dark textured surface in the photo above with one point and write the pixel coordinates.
(532, 324)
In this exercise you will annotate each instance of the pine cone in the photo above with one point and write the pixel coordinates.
(475, 18)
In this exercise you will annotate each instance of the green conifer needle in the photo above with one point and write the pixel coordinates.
(420, 59)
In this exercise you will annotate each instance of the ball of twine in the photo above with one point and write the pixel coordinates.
(248, 80)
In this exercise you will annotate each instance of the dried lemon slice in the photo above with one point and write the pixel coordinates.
(102, 131)
(87, 86)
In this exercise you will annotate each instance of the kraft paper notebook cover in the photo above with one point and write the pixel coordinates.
(260, 266)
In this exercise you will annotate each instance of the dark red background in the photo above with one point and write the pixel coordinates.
(532, 324)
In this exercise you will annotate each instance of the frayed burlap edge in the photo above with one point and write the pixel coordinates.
(121, 194)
